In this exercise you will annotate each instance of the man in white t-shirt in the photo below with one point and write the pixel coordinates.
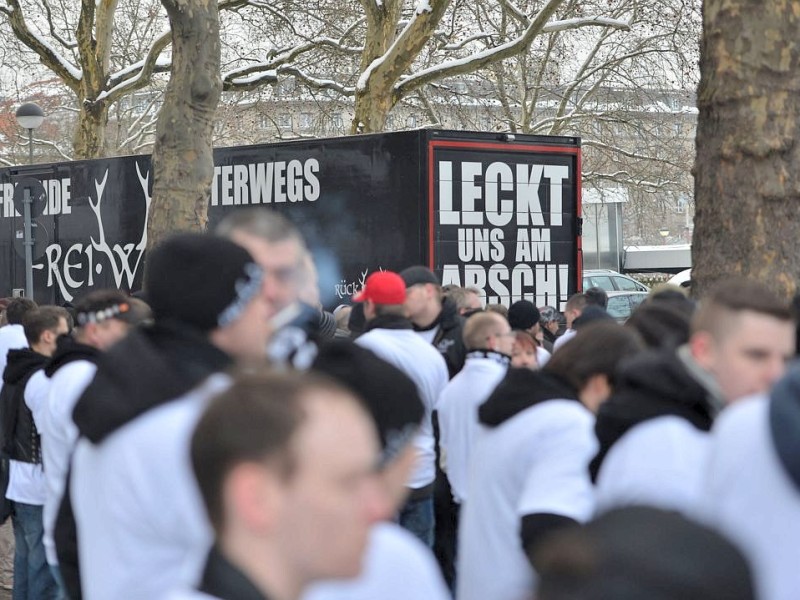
(389, 334)
(104, 318)
(751, 488)
(489, 342)
(653, 431)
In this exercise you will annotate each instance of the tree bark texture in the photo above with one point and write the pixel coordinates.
(747, 180)
(183, 164)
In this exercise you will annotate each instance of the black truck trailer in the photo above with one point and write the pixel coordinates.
(499, 212)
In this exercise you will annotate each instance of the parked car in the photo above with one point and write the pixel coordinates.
(622, 304)
(683, 279)
(611, 281)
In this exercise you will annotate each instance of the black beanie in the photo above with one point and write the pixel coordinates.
(200, 280)
(388, 394)
(523, 315)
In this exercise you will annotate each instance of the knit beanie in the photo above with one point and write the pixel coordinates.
(523, 315)
(200, 280)
(389, 395)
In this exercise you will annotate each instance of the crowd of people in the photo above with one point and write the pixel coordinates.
(221, 435)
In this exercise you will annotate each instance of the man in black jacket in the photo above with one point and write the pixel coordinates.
(435, 318)
(24, 387)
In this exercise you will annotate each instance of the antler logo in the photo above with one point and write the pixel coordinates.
(123, 258)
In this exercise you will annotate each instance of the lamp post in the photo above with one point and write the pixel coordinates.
(664, 233)
(29, 116)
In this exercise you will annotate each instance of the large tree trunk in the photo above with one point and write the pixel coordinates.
(747, 184)
(183, 164)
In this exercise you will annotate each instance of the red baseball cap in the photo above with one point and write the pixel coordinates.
(383, 287)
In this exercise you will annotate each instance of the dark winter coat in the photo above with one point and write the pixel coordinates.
(21, 439)
(449, 338)
(650, 385)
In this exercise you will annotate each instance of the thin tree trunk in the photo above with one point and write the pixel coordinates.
(183, 164)
(747, 184)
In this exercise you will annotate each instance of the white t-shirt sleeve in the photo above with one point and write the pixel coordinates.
(558, 481)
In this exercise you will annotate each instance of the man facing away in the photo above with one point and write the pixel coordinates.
(397, 566)
(104, 318)
(489, 342)
(24, 386)
(141, 526)
(390, 335)
(653, 431)
(286, 468)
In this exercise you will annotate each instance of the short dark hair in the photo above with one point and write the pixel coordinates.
(597, 296)
(253, 420)
(44, 318)
(596, 349)
(17, 309)
(727, 300)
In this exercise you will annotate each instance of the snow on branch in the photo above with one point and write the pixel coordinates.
(314, 82)
(586, 22)
(137, 76)
(50, 57)
(153, 58)
(407, 44)
(252, 75)
(470, 64)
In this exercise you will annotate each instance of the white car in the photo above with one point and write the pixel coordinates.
(682, 279)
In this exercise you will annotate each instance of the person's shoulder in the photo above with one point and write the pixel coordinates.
(404, 555)
(741, 418)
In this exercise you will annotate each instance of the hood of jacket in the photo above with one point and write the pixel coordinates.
(650, 385)
(21, 363)
(784, 422)
(69, 350)
(148, 368)
(520, 389)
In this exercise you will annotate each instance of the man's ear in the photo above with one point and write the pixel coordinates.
(252, 496)
(702, 348)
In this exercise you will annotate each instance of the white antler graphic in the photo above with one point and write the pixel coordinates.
(123, 266)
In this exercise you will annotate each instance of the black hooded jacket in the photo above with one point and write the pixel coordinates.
(20, 437)
(69, 350)
(520, 389)
(449, 339)
(148, 368)
(650, 385)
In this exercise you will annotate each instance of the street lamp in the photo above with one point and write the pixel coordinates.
(30, 116)
(664, 233)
